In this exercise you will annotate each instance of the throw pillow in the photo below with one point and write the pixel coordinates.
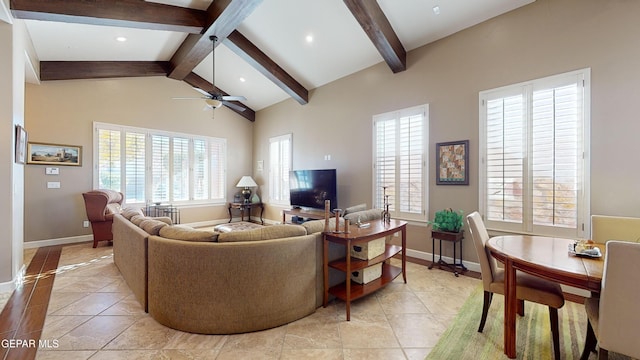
(356, 208)
(316, 226)
(130, 212)
(364, 216)
(137, 219)
(182, 232)
(152, 227)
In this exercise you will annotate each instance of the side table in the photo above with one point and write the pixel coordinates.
(245, 206)
(452, 237)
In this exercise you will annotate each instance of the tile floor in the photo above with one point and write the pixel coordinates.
(92, 314)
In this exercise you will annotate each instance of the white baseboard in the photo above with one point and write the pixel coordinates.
(58, 241)
(9, 286)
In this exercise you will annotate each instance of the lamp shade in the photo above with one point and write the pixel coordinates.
(246, 181)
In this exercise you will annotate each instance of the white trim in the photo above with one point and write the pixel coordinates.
(58, 241)
(13, 284)
(5, 14)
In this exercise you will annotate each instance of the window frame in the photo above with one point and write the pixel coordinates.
(527, 90)
(377, 191)
(211, 143)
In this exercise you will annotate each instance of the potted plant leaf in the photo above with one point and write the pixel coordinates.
(447, 220)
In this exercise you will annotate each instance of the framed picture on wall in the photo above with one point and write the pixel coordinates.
(452, 163)
(54, 154)
(21, 144)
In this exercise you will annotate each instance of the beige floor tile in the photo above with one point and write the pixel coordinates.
(92, 304)
(95, 333)
(416, 330)
(145, 333)
(271, 339)
(374, 354)
(64, 355)
(312, 354)
(128, 355)
(126, 306)
(60, 299)
(403, 302)
(251, 354)
(363, 334)
(56, 327)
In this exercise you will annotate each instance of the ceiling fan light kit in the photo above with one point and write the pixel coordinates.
(214, 103)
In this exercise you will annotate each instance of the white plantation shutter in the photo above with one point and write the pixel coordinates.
(160, 170)
(218, 156)
(135, 167)
(534, 177)
(108, 172)
(279, 167)
(153, 166)
(180, 170)
(400, 155)
(200, 173)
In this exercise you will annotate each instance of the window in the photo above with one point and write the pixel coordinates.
(534, 173)
(279, 167)
(153, 166)
(400, 162)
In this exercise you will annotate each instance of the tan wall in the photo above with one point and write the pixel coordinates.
(63, 112)
(545, 38)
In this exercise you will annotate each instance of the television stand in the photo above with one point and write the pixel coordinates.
(313, 214)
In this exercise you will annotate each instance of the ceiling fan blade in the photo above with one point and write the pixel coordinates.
(233, 106)
(202, 92)
(233, 98)
(189, 98)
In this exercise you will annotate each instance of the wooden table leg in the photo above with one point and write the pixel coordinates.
(348, 275)
(325, 269)
(404, 253)
(510, 308)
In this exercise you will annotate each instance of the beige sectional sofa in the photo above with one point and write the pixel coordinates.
(221, 283)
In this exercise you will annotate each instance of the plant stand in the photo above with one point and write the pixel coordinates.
(454, 238)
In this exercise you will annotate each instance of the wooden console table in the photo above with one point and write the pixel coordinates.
(348, 290)
(246, 206)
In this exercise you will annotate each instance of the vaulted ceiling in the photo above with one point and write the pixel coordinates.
(271, 49)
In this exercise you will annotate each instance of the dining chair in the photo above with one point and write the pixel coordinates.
(528, 287)
(613, 319)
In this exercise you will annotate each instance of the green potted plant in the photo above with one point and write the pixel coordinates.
(447, 220)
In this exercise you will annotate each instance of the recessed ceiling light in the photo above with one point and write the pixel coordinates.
(309, 38)
(121, 39)
(242, 79)
(436, 10)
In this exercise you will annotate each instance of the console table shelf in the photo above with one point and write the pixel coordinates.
(357, 264)
(389, 273)
(304, 213)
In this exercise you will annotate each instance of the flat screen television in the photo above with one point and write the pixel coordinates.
(310, 188)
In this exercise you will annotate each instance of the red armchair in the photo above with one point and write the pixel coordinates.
(101, 205)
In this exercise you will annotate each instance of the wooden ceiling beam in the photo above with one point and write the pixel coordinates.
(223, 17)
(72, 70)
(250, 53)
(197, 81)
(374, 22)
(123, 13)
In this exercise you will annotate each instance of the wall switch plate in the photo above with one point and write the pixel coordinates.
(52, 171)
(85, 224)
(53, 185)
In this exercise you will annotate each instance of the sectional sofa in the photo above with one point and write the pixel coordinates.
(222, 283)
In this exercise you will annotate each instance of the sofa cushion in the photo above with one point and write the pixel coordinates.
(356, 208)
(182, 232)
(165, 219)
(152, 226)
(130, 212)
(138, 219)
(113, 208)
(264, 233)
(364, 216)
(316, 226)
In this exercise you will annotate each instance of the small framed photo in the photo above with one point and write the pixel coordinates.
(21, 144)
(452, 163)
(54, 154)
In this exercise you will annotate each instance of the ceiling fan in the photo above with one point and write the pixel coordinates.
(215, 100)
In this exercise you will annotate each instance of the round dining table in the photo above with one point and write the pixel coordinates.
(550, 258)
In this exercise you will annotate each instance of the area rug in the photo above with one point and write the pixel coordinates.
(463, 341)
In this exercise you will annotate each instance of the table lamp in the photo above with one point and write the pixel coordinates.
(246, 182)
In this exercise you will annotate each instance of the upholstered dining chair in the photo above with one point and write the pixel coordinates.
(529, 288)
(614, 319)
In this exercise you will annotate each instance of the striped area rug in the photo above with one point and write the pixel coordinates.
(463, 341)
